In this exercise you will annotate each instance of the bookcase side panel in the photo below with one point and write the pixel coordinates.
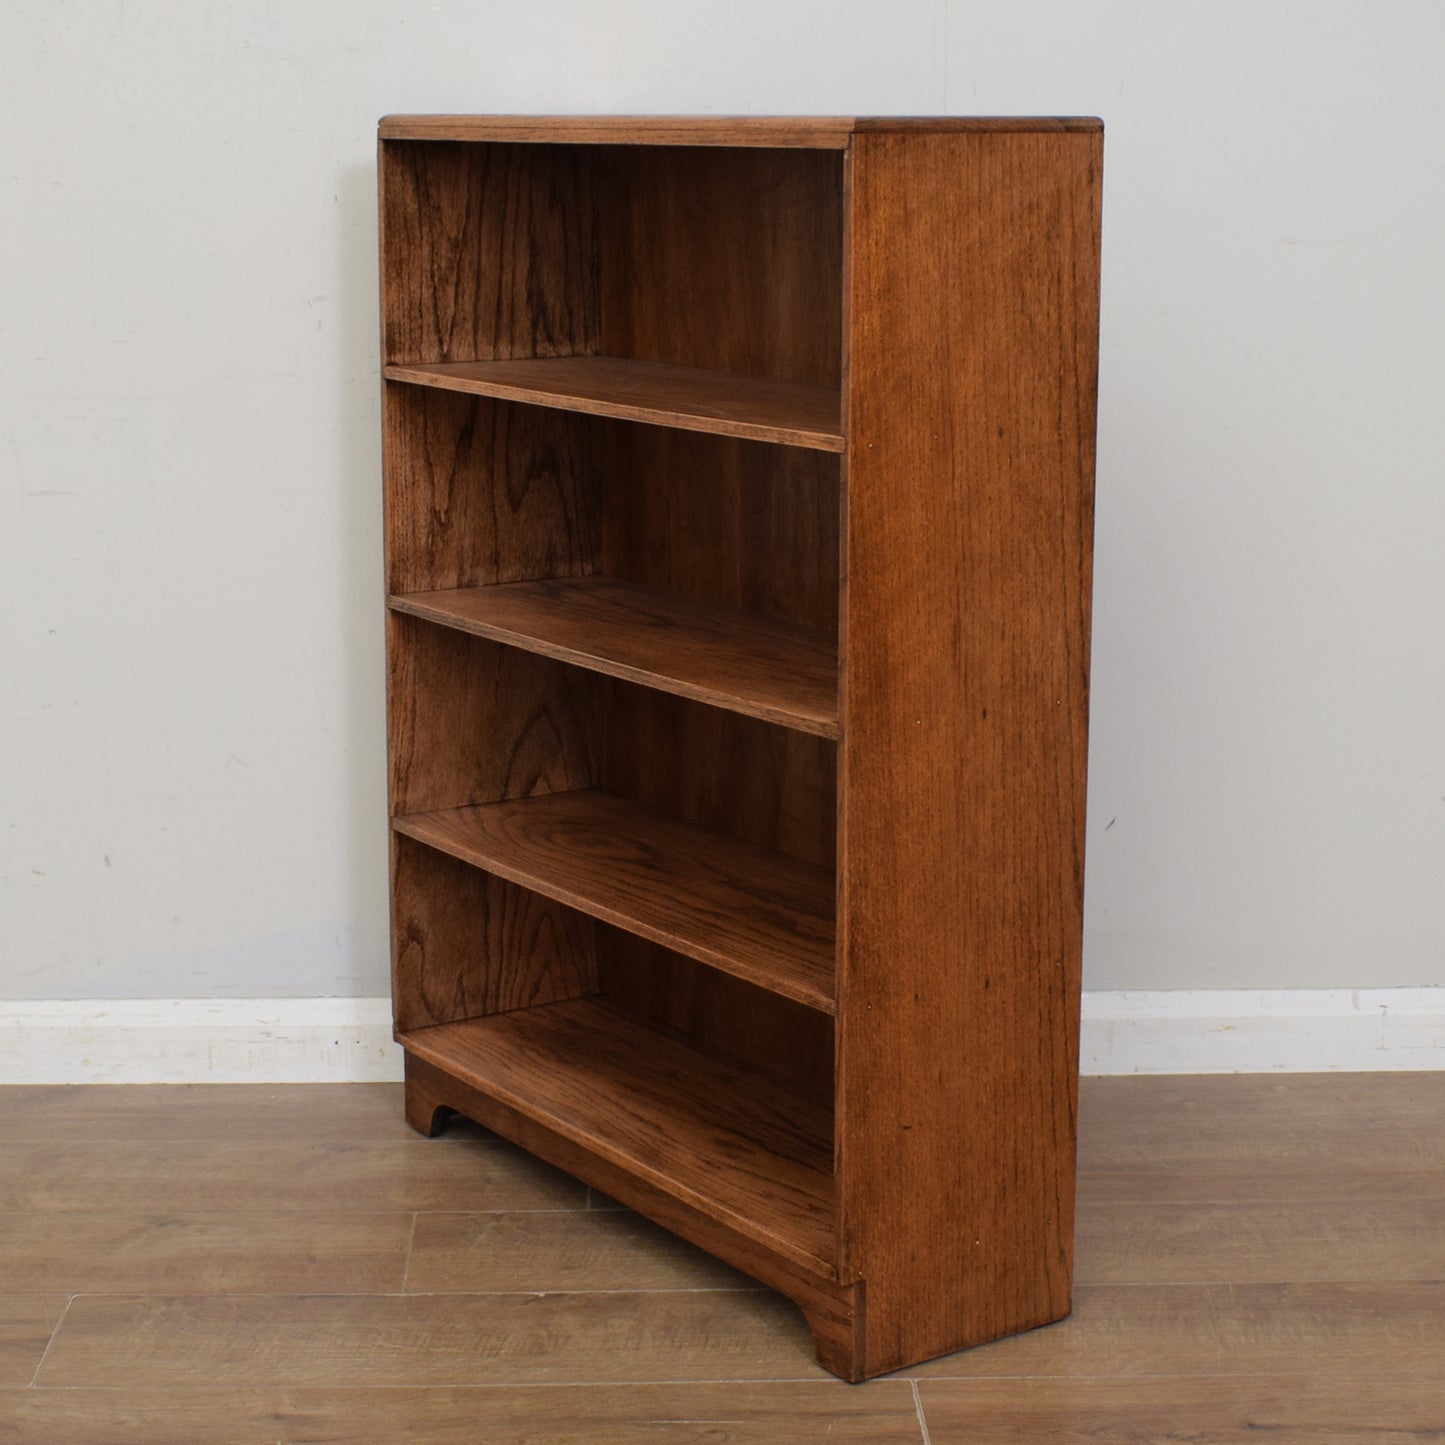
(972, 350)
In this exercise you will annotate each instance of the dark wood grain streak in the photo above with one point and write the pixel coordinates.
(756, 914)
(730, 1145)
(972, 352)
(766, 669)
(789, 413)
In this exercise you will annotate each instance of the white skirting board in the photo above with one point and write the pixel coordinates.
(348, 1040)
(198, 1041)
(1263, 1031)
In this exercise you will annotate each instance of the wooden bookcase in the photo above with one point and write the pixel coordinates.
(738, 519)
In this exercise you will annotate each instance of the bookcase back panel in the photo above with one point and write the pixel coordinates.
(472, 721)
(724, 1016)
(490, 251)
(767, 785)
(739, 523)
(466, 943)
(475, 721)
(729, 260)
(726, 259)
(481, 491)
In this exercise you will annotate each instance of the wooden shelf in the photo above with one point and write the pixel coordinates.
(750, 912)
(730, 1143)
(790, 413)
(741, 662)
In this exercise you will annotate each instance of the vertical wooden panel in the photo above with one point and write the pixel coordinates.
(471, 721)
(766, 784)
(725, 1016)
(489, 251)
(465, 944)
(728, 259)
(481, 491)
(740, 523)
(972, 349)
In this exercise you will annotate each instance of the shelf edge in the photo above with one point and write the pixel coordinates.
(818, 724)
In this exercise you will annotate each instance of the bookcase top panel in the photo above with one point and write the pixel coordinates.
(811, 132)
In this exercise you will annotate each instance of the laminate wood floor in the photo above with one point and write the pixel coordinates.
(1259, 1257)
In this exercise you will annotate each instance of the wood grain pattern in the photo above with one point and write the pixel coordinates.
(725, 259)
(972, 355)
(1145, 1331)
(828, 132)
(726, 1017)
(1262, 1139)
(1308, 1362)
(831, 1309)
(489, 252)
(729, 1144)
(788, 413)
(471, 721)
(221, 1175)
(753, 665)
(760, 915)
(609, 1249)
(1301, 1240)
(466, 943)
(1284, 1409)
(192, 1113)
(255, 1251)
(479, 491)
(741, 524)
(774, 787)
(921, 299)
(292, 1340)
(811, 1412)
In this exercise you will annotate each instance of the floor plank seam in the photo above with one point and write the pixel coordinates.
(50, 1343)
(519, 1293)
(178, 1388)
(918, 1409)
(410, 1245)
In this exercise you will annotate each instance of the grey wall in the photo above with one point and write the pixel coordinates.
(190, 707)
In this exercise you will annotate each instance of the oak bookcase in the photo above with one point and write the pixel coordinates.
(738, 486)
